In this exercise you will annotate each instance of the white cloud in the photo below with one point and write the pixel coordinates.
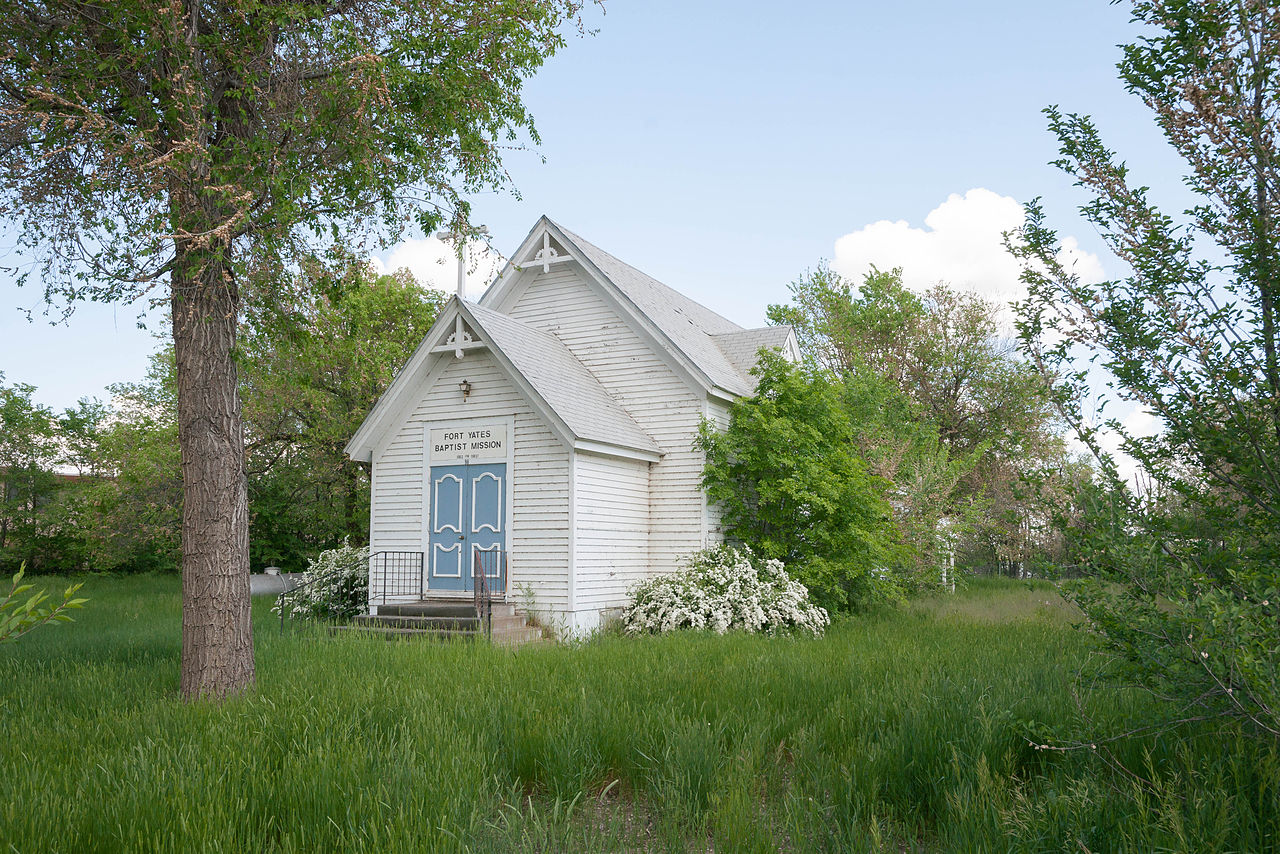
(961, 245)
(434, 264)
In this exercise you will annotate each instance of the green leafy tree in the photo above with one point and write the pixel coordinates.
(959, 423)
(1189, 567)
(166, 148)
(904, 449)
(28, 454)
(312, 366)
(131, 515)
(791, 486)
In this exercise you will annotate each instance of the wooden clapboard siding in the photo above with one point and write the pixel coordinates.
(611, 530)
(634, 374)
(539, 541)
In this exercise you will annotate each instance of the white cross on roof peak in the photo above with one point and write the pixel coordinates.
(547, 255)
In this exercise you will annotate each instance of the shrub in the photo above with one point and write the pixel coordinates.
(787, 478)
(335, 586)
(721, 589)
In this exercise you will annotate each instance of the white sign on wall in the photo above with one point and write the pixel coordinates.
(483, 442)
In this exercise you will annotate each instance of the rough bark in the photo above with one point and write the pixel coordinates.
(217, 634)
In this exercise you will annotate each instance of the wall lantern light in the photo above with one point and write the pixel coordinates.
(465, 388)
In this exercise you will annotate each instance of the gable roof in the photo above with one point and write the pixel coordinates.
(741, 348)
(690, 332)
(557, 385)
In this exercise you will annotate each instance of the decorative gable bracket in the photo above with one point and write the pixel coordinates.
(459, 340)
(546, 255)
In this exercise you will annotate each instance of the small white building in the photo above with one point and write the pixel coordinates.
(547, 433)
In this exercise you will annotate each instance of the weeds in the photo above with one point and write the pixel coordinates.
(902, 731)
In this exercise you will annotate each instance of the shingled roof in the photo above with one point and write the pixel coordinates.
(707, 348)
(564, 383)
(742, 347)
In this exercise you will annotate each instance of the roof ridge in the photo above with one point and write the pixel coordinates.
(766, 328)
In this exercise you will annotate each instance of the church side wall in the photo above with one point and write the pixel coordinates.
(718, 414)
(539, 541)
(612, 532)
(634, 374)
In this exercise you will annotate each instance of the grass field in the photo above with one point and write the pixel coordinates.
(909, 730)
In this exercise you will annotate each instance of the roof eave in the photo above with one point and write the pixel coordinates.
(610, 449)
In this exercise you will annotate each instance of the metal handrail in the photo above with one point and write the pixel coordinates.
(482, 593)
(391, 572)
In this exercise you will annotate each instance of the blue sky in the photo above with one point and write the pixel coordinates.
(725, 147)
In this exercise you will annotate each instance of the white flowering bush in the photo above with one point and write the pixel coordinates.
(335, 586)
(720, 589)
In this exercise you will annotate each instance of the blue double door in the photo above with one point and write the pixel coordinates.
(468, 526)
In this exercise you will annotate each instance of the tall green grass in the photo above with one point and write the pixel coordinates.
(908, 730)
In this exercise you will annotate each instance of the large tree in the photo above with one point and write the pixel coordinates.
(1190, 587)
(942, 348)
(153, 147)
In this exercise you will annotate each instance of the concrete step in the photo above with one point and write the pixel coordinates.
(442, 608)
(394, 621)
(508, 638)
(502, 622)
(392, 633)
(429, 609)
(511, 638)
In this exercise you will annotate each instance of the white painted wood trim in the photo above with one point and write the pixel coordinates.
(724, 396)
(512, 270)
(791, 349)
(408, 404)
(504, 490)
(470, 345)
(706, 522)
(394, 409)
(435, 553)
(435, 499)
(398, 400)
(373, 493)
(398, 397)
(604, 450)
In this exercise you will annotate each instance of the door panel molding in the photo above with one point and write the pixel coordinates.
(436, 550)
(435, 504)
(495, 508)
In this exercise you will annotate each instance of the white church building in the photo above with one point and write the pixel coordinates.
(546, 434)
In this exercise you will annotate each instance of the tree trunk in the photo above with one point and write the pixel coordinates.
(217, 635)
